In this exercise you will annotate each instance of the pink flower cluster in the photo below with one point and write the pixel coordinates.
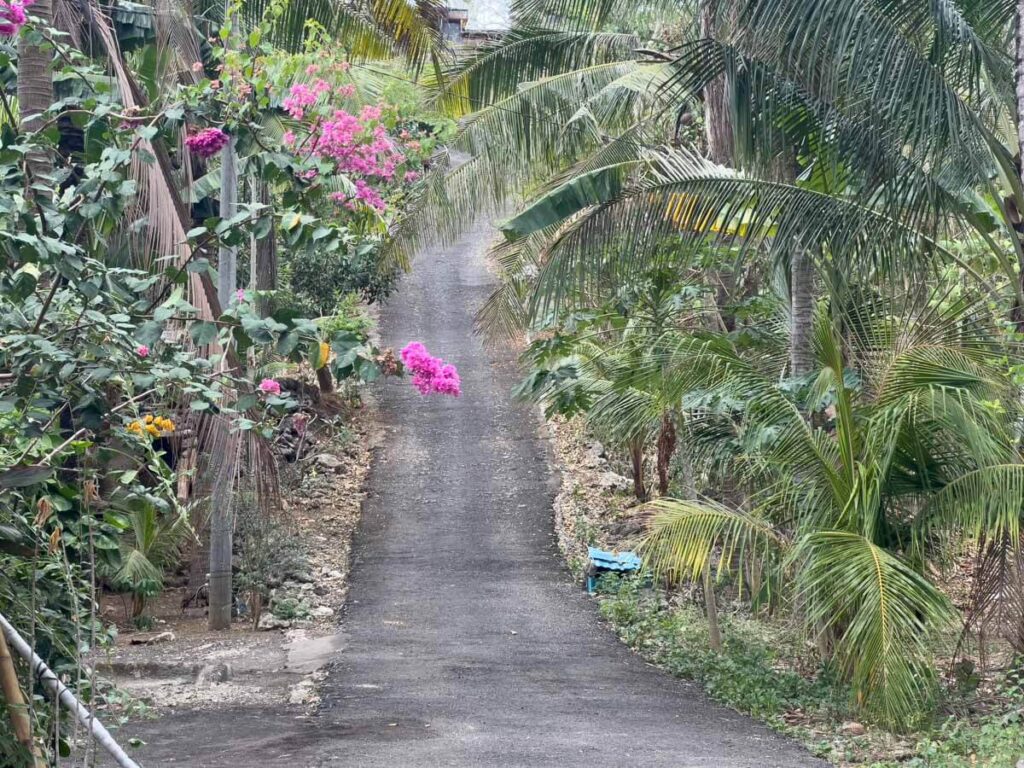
(430, 374)
(356, 147)
(208, 142)
(364, 194)
(270, 387)
(302, 96)
(12, 16)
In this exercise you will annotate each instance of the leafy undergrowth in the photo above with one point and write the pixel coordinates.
(765, 671)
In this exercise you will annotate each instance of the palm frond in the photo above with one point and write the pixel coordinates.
(686, 200)
(496, 70)
(988, 501)
(681, 536)
(885, 616)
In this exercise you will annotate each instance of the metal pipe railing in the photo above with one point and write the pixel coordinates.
(63, 694)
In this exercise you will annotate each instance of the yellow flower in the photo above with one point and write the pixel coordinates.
(325, 353)
(149, 418)
(151, 429)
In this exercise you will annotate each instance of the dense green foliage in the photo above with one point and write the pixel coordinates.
(775, 243)
(133, 398)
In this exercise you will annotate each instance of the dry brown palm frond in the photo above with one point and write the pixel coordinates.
(997, 595)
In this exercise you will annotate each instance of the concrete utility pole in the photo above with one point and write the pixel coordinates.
(222, 522)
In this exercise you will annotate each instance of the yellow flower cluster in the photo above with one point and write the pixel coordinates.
(152, 425)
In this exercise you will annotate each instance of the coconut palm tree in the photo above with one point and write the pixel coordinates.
(872, 117)
(854, 507)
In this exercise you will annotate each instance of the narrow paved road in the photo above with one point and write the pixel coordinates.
(466, 643)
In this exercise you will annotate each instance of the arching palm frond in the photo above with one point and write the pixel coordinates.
(367, 29)
(890, 80)
(496, 70)
(686, 198)
(681, 536)
(350, 24)
(987, 502)
(884, 614)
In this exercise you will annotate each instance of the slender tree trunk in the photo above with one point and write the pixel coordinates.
(711, 606)
(717, 95)
(801, 351)
(636, 455)
(227, 256)
(708, 583)
(221, 513)
(264, 261)
(17, 710)
(221, 542)
(35, 87)
(1017, 314)
(666, 447)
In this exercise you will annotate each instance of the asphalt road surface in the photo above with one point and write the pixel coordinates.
(466, 643)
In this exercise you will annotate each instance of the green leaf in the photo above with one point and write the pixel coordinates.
(149, 333)
(203, 333)
(598, 186)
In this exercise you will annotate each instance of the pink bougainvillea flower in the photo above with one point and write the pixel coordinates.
(288, 138)
(270, 387)
(240, 294)
(197, 66)
(142, 350)
(370, 112)
(430, 375)
(411, 176)
(312, 69)
(12, 16)
(208, 142)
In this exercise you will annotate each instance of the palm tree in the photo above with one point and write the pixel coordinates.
(35, 83)
(852, 508)
(825, 130)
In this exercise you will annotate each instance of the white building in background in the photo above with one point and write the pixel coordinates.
(487, 15)
(475, 19)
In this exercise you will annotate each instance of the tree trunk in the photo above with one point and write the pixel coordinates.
(221, 541)
(717, 95)
(35, 87)
(1017, 314)
(221, 513)
(227, 256)
(666, 447)
(264, 260)
(324, 379)
(711, 606)
(801, 351)
(710, 603)
(17, 710)
(636, 454)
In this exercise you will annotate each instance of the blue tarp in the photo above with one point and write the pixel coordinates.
(602, 560)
